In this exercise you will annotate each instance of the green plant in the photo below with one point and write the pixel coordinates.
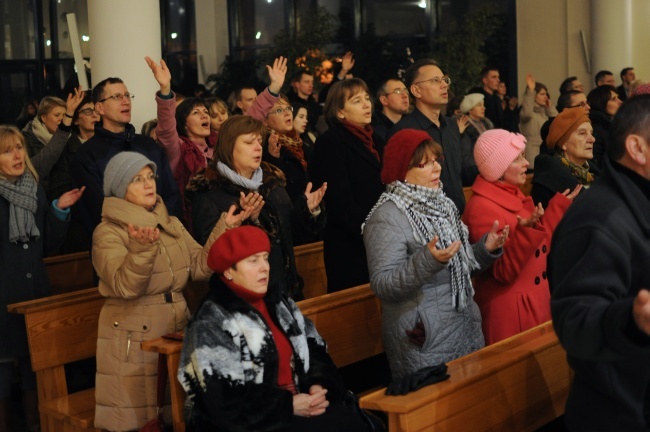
(233, 74)
(464, 51)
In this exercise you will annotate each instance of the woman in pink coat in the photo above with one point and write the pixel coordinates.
(513, 294)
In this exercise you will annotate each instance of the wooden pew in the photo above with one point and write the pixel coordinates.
(62, 329)
(349, 320)
(70, 272)
(518, 384)
(311, 266)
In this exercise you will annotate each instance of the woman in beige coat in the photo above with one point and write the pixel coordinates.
(536, 109)
(144, 258)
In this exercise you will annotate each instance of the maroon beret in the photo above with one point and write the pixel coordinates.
(236, 244)
(399, 152)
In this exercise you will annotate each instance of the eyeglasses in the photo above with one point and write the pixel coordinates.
(139, 180)
(119, 96)
(87, 111)
(429, 164)
(398, 91)
(280, 111)
(581, 104)
(521, 158)
(436, 80)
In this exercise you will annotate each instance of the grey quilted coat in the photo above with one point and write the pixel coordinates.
(413, 286)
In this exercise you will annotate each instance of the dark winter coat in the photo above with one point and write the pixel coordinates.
(598, 263)
(212, 194)
(448, 136)
(229, 363)
(551, 176)
(600, 121)
(353, 181)
(467, 143)
(22, 271)
(90, 162)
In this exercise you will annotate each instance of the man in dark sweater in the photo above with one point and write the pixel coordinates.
(490, 79)
(430, 88)
(599, 277)
(114, 134)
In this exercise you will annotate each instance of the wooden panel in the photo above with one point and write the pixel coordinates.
(70, 272)
(516, 385)
(311, 266)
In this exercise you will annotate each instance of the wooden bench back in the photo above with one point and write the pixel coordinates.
(519, 384)
(70, 272)
(311, 266)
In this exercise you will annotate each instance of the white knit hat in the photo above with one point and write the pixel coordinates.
(470, 101)
(495, 150)
(120, 171)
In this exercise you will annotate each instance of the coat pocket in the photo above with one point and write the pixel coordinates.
(128, 332)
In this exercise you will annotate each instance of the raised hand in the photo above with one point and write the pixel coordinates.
(314, 198)
(234, 220)
(530, 81)
(494, 239)
(69, 198)
(253, 200)
(443, 255)
(534, 218)
(74, 100)
(347, 63)
(277, 74)
(641, 311)
(572, 194)
(463, 122)
(146, 235)
(162, 75)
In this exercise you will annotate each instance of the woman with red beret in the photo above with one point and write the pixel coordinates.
(251, 361)
(420, 260)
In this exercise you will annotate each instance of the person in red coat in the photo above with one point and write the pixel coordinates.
(513, 294)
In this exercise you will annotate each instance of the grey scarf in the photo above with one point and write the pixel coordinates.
(22, 207)
(250, 184)
(431, 213)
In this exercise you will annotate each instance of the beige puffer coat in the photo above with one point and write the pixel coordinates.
(143, 284)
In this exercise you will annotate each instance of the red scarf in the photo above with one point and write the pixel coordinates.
(364, 135)
(282, 344)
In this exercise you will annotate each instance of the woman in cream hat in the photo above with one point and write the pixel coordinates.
(473, 105)
(513, 293)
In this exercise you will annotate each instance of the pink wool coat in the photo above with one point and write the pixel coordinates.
(513, 294)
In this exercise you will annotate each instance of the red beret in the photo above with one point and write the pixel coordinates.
(399, 152)
(236, 244)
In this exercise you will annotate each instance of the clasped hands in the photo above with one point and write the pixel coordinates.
(312, 404)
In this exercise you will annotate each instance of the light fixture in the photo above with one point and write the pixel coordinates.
(258, 35)
(423, 4)
(85, 38)
(48, 42)
(174, 35)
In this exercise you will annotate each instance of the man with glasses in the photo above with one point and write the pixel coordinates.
(430, 88)
(393, 99)
(114, 134)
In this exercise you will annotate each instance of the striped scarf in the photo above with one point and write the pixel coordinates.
(22, 207)
(431, 213)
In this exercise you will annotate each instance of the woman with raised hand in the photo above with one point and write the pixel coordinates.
(30, 226)
(421, 261)
(251, 361)
(237, 175)
(513, 294)
(144, 258)
(184, 131)
(536, 108)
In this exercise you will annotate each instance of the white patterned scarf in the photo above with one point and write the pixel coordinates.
(431, 213)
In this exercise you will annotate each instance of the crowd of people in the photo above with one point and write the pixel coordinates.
(224, 191)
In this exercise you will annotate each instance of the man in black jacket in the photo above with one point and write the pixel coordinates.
(430, 88)
(115, 134)
(599, 277)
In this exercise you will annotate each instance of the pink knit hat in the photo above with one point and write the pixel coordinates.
(495, 150)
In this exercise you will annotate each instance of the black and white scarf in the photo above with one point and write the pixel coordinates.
(431, 213)
(22, 207)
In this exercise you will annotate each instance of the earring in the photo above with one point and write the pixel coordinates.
(342, 116)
